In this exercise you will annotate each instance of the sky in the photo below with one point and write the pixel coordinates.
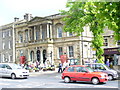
(17, 8)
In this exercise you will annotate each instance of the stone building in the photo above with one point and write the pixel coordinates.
(6, 43)
(111, 48)
(43, 39)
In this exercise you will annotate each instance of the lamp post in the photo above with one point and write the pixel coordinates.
(82, 47)
(51, 56)
(14, 53)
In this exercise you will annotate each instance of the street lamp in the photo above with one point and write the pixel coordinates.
(14, 52)
(82, 47)
(51, 56)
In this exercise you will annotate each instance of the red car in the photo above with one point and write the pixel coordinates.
(83, 73)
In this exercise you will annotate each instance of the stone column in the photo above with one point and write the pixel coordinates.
(51, 31)
(34, 32)
(50, 54)
(28, 57)
(48, 30)
(40, 31)
(24, 36)
(34, 55)
(41, 57)
(29, 35)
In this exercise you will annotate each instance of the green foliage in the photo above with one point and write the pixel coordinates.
(100, 60)
(97, 15)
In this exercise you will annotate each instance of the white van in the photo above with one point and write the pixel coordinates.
(13, 70)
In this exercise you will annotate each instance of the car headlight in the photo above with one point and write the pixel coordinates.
(102, 75)
(115, 72)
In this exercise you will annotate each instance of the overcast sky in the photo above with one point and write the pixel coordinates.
(17, 8)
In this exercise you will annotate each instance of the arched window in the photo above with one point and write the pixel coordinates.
(60, 49)
(44, 56)
(20, 37)
(37, 33)
(26, 35)
(38, 55)
(32, 55)
(71, 51)
(59, 32)
(3, 57)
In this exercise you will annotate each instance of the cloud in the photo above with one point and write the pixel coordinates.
(34, 4)
(17, 8)
(2, 21)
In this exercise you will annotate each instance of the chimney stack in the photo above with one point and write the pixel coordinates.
(16, 19)
(28, 16)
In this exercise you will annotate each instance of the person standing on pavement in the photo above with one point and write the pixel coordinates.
(108, 63)
(60, 68)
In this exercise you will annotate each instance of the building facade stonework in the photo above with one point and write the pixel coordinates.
(43, 39)
(6, 43)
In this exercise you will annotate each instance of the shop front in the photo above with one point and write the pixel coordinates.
(112, 54)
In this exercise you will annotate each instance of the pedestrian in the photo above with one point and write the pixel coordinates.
(107, 63)
(64, 66)
(95, 61)
(60, 68)
(111, 64)
(37, 63)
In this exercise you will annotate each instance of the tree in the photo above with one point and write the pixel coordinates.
(97, 15)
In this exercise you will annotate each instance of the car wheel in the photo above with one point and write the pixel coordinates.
(95, 81)
(13, 76)
(110, 77)
(26, 77)
(74, 81)
(66, 79)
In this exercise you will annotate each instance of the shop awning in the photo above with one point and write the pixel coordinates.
(111, 51)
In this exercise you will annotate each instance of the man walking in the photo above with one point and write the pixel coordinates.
(60, 68)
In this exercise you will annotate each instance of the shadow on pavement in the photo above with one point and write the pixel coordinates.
(13, 79)
(78, 82)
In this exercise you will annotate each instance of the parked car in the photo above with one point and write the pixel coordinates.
(83, 73)
(13, 70)
(112, 74)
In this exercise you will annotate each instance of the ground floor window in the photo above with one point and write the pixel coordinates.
(38, 55)
(32, 55)
(44, 56)
(71, 51)
(60, 49)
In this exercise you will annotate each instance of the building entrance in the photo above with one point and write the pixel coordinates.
(44, 56)
(38, 56)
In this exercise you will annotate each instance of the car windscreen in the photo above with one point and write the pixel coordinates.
(15, 66)
(89, 69)
(106, 66)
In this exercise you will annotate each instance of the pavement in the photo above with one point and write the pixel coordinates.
(117, 68)
(43, 72)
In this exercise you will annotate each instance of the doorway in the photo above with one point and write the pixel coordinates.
(38, 56)
(32, 55)
(44, 56)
